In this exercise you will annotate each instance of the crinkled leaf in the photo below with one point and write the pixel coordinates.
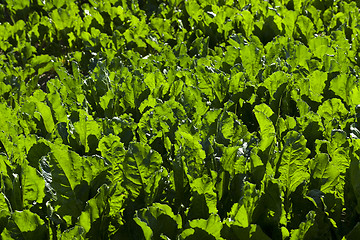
(112, 149)
(194, 103)
(300, 57)
(324, 170)
(274, 81)
(342, 86)
(204, 229)
(292, 167)
(334, 113)
(33, 186)
(233, 160)
(332, 108)
(250, 57)
(304, 227)
(205, 187)
(158, 219)
(305, 26)
(238, 215)
(89, 131)
(68, 178)
(76, 232)
(157, 122)
(25, 225)
(319, 46)
(190, 153)
(317, 81)
(267, 129)
(94, 210)
(142, 171)
(339, 153)
(212, 225)
(230, 129)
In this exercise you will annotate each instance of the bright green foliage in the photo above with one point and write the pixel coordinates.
(267, 129)
(293, 162)
(179, 119)
(158, 221)
(142, 170)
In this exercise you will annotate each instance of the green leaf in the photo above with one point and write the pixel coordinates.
(194, 103)
(54, 97)
(300, 57)
(204, 229)
(209, 122)
(95, 209)
(117, 199)
(248, 199)
(319, 46)
(289, 22)
(285, 125)
(58, 187)
(76, 168)
(133, 87)
(343, 85)
(16, 5)
(156, 83)
(332, 108)
(334, 113)
(330, 64)
(122, 126)
(304, 227)
(189, 153)
(317, 81)
(158, 220)
(234, 161)
(239, 215)
(112, 149)
(247, 21)
(42, 62)
(220, 86)
(305, 27)
(325, 171)
(267, 130)
(3, 205)
(339, 152)
(89, 131)
(231, 55)
(76, 232)
(46, 115)
(230, 129)
(274, 81)
(143, 172)
(157, 122)
(203, 187)
(194, 10)
(292, 167)
(33, 186)
(26, 220)
(25, 225)
(212, 225)
(68, 178)
(61, 19)
(250, 58)
(72, 85)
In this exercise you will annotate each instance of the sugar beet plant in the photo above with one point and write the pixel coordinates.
(179, 119)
